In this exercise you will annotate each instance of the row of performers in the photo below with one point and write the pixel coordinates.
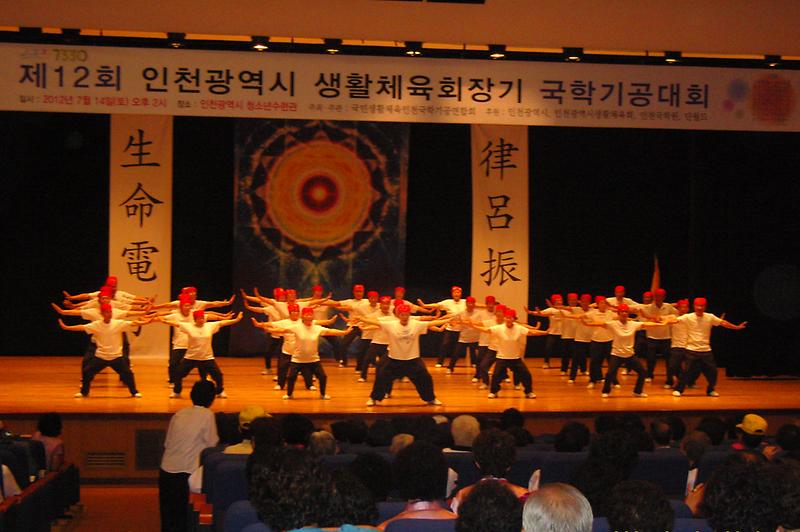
(385, 333)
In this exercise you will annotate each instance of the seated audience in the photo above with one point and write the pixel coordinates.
(572, 438)
(49, 433)
(639, 505)
(714, 427)
(513, 422)
(750, 433)
(380, 433)
(375, 473)
(322, 443)
(465, 429)
(661, 432)
(557, 507)
(296, 430)
(400, 442)
(246, 417)
(490, 507)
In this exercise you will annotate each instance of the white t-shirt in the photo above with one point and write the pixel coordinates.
(273, 314)
(624, 334)
(510, 341)
(679, 334)
(283, 308)
(370, 312)
(568, 326)
(662, 332)
(555, 319)
(404, 339)
(481, 317)
(469, 335)
(380, 337)
(190, 431)
(698, 330)
(307, 342)
(356, 307)
(94, 314)
(180, 340)
(452, 307)
(289, 342)
(614, 302)
(601, 334)
(200, 347)
(583, 333)
(108, 337)
(120, 296)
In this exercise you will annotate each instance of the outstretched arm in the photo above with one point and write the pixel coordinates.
(237, 319)
(71, 312)
(80, 328)
(336, 332)
(251, 308)
(246, 297)
(77, 297)
(329, 321)
(223, 303)
(729, 325)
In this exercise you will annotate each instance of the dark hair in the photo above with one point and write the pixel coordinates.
(643, 440)
(737, 497)
(296, 429)
(202, 393)
(375, 472)
(380, 434)
(350, 503)
(228, 428)
(521, 436)
(511, 417)
(630, 421)
(639, 505)
(788, 437)
(490, 507)
(678, 427)
(617, 448)
(785, 478)
(751, 441)
(695, 445)
(714, 427)
(605, 422)
(289, 489)
(595, 481)
(264, 432)
(494, 452)
(50, 425)
(420, 472)
(425, 428)
(573, 437)
(661, 431)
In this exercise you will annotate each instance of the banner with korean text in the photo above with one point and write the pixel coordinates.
(85, 79)
(500, 214)
(140, 217)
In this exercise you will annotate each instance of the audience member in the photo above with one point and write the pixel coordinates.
(661, 432)
(714, 427)
(739, 497)
(513, 422)
(605, 422)
(557, 507)
(490, 507)
(228, 428)
(641, 506)
(296, 430)
(572, 438)
(375, 473)
(350, 501)
(49, 433)
(190, 431)
(678, 428)
(400, 442)
(380, 433)
(750, 432)
(246, 417)
(465, 429)
(322, 443)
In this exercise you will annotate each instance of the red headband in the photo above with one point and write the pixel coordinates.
(499, 308)
(490, 300)
(510, 312)
(556, 296)
(293, 307)
(373, 293)
(683, 302)
(619, 288)
(105, 307)
(278, 292)
(386, 299)
(623, 307)
(599, 299)
(358, 288)
(316, 288)
(398, 302)
(648, 294)
(403, 308)
(291, 292)
(106, 291)
(700, 301)
(111, 280)
(470, 299)
(198, 314)
(399, 289)
(185, 299)
(660, 292)
(586, 297)
(308, 311)
(188, 290)
(572, 295)
(454, 288)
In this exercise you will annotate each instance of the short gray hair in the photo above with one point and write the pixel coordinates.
(557, 507)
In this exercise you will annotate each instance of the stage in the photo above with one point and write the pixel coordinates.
(32, 385)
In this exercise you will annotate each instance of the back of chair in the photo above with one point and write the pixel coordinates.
(229, 485)
(421, 525)
(666, 469)
(387, 510)
(335, 462)
(239, 515)
(600, 524)
(257, 527)
(709, 462)
(559, 467)
(692, 525)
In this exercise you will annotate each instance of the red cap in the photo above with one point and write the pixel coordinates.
(316, 288)
(185, 299)
(470, 299)
(293, 307)
(499, 308)
(398, 302)
(291, 292)
(278, 292)
(556, 296)
(373, 293)
(683, 302)
(105, 307)
(586, 297)
(598, 299)
(308, 311)
(510, 312)
(358, 288)
(198, 314)
(399, 288)
(619, 288)
(660, 292)
(648, 294)
(572, 295)
(111, 280)
(453, 288)
(403, 308)
(623, 307)
(490, 300)
(188, 290)
(700, 301)
(385, 299)
(106, 291)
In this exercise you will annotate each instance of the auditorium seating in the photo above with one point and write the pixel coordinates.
(422, 525)
(41, 502)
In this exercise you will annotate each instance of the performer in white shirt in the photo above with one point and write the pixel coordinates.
(698, 345)
(272, 312)
(600, 346)
(489, 356)
(658, 337)
(452, 306)
(553, 347)
(467, 337)
(403, 359)
(679, 336)
(510, 338)
(583, 335)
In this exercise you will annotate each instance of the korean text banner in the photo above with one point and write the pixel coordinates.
(140, 216)
(318, 202)
(386, 89)
(500, 214)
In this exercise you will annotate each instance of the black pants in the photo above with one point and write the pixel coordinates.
(461, 350)
(371, 357)
(344, 344)
(702, 361)
(448, 345)
(88, 354)
(613, 365)
(268, 352)
(552, 347)
(414, 369)
(175, 357)
(567, 346)
(96, 365)
(675, 366)
(517, 367)
(358, 348)
(309, 370)
(208, 366)
(640, 344)
(598, 352)
(487, 359)
(173, 501)
(283, 371)
(654, 348)
(580, 351)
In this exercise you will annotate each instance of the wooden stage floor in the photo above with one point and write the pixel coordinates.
(32, 385)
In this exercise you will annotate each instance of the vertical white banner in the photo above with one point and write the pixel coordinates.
(500, 264)
(140, 216)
